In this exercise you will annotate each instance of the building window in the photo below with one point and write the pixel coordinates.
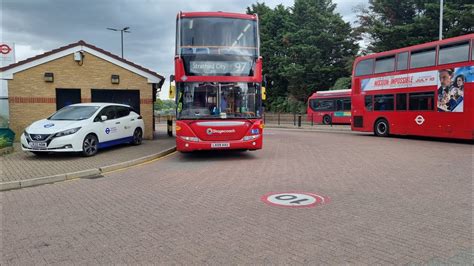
(383, 102)
(422, 101)
(453, 53)
(385, 64)
(4, 113)
(423, 58)
(402, 61)
(402, 102)
(364, 67)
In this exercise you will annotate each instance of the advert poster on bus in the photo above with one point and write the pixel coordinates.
(451, 88)
(410, 80)
(450, 84)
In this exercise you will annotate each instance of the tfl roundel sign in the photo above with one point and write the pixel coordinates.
(294, 199)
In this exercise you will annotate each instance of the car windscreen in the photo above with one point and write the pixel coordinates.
(74, 113)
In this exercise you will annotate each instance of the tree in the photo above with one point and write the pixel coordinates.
(343, 83)
(305, 48)
(392, 24)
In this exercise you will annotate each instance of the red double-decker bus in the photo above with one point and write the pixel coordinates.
(330, 107)
(218, 74)
(423, 90)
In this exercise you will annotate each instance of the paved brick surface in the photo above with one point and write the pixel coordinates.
(393, 201)
(24, 165)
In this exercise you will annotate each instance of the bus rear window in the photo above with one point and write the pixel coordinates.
(364, 67)
(421, 101)
(453, 53)
(423, 58)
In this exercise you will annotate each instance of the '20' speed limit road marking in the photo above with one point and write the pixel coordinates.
(294, 199)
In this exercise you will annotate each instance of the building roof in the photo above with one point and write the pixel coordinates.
(81, 45)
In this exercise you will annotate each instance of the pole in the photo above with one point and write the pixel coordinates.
(299, 120)
(278, 118)
(440, 20)
(121, 38)
(312, 121)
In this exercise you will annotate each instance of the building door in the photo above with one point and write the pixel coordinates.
(129, 97)
(65, 97)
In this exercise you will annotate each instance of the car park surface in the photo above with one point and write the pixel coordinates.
(392, 201)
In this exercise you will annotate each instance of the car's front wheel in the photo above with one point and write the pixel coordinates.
(90, 145)
(137, 136)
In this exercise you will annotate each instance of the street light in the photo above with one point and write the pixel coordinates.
(440, 20)
(126, 29)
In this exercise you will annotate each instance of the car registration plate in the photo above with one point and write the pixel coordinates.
(39, 145)
(220, 145)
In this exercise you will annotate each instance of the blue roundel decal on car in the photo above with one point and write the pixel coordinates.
(107, 130)
(48, 125)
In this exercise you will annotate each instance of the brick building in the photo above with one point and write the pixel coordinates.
(78, 72)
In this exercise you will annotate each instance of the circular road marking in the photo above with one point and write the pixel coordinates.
(294, 199)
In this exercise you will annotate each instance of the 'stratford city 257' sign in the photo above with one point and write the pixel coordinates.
(219, 67)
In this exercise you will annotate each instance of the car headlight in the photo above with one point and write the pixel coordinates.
(253, 137)
(67, 132)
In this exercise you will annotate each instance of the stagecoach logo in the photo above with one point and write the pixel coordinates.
(211, 131)
(419, 120)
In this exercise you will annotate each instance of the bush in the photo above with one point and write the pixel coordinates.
(287, 105)
(4, 142)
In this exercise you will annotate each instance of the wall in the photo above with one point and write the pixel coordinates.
(31, 98)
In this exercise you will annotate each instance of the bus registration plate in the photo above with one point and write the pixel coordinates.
(220, 145)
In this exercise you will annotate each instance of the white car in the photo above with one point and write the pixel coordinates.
(85, 128)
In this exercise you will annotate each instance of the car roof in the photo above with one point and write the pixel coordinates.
(99, 104)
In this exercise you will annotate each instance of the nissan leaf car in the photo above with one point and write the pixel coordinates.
(84, 128)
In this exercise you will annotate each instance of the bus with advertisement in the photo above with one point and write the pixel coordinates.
(218, 82)
(330, 107)
(422, 90)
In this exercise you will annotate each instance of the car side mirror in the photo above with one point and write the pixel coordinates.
(103, 118)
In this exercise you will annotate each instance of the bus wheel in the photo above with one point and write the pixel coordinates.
(326, 120)
(381, 128)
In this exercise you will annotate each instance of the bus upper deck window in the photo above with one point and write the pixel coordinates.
(364, 67)
(385, 64)
(453, 53)
(423, 58)
(402, 61)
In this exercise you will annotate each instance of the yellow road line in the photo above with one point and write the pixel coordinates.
(140, 164)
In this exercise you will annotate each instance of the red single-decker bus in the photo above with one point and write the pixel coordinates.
(330, 107)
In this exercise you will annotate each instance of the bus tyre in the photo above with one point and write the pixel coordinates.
(381, 128)
(137, 136)
(326, 120)
(90, 145)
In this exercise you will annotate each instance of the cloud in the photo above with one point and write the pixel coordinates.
(41, 25)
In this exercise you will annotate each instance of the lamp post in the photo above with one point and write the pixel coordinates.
(126, 29)
(440, 20)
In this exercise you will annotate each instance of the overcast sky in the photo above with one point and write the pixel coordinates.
(37, 26)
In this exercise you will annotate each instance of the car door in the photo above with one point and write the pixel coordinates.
(125, 120)
(108, 130)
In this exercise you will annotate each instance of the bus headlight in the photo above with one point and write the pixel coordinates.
(190, 139)
(253, 137)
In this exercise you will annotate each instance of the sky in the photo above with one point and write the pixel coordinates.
(37, 26)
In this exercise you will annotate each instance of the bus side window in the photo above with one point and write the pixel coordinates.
(339, 105)
(402, 102)
(402, 61)
(368, 103)
(421, 101)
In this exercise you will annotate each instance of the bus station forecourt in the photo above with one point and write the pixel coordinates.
(316, 195)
